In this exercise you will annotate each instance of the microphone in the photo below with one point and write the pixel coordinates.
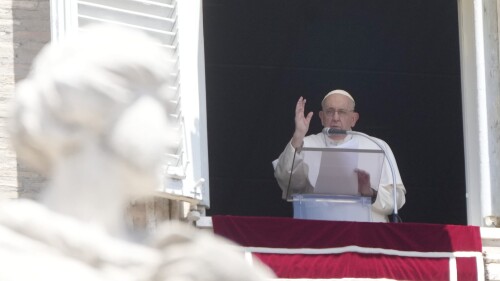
(333, 131)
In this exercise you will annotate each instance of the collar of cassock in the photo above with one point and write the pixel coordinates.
(330, 142)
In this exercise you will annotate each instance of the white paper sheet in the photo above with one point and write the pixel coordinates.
(333, 173)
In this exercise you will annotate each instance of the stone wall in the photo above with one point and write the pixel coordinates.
(491, 252)
(24, 30)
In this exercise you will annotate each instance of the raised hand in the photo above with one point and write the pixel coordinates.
(301, 123)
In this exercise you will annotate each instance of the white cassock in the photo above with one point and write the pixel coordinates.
(384, 203)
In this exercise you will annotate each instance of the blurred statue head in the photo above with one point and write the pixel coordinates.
(93, 114)
(93, 117)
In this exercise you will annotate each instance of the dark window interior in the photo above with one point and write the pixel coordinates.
(399, 59)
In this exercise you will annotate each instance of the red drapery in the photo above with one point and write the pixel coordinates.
(296, 248)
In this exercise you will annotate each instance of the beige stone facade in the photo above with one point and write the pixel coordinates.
(24, 30)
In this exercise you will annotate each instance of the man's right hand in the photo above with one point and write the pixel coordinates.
(301, 123)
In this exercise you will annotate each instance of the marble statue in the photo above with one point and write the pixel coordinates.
(92, 116)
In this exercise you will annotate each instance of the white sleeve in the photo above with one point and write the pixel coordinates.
(298, 183)
(384, 204)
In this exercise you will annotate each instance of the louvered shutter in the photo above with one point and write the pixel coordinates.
(185, 165)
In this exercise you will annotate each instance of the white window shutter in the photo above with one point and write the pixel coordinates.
(178, 26)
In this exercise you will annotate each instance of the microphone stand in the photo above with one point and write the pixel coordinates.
(395, 216)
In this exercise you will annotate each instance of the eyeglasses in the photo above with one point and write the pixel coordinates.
(342, 112)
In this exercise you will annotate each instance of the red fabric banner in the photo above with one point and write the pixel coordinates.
(296, 248)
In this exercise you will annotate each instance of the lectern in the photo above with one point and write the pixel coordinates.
(327, 187)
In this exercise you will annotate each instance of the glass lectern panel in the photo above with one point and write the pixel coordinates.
(324, 184)
(332, 171)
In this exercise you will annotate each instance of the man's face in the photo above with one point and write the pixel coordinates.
(338, 112)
